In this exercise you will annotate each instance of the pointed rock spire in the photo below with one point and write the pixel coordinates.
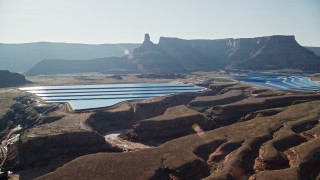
(147, 40)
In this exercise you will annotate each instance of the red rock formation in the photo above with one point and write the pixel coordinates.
(175, 122)
(185, 157)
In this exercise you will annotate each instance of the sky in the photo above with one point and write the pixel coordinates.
(126, 21)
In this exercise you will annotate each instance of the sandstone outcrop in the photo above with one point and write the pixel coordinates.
(176, 121)
(119, 117)
(228, 152)
(230, 113)
(209, 101)
(37, 146)
(126, 114)
(35, 133)
(154, 107)
(258, 137)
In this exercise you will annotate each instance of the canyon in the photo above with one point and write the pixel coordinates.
(232, 130)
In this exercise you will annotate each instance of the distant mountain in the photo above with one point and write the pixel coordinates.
(59, 66)
(314, 49)
(178, 55)
(21, 57)
(9, 79)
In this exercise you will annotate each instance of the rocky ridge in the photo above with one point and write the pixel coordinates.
(224, 153)
(173, 55)
(263, 134)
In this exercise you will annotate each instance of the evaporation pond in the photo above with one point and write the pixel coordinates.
(103, 95)
(285, 83)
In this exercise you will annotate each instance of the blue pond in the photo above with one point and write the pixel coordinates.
(104, 95)
(281, 82)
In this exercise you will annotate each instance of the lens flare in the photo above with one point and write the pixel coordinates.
(198, 130)
(126, 52)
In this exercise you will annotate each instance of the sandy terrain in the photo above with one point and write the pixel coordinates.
(244, 134)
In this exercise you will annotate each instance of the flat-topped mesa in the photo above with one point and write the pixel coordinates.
(281, 39)
(262, 41)
(271, 53)
(169, 40)
(274, 39)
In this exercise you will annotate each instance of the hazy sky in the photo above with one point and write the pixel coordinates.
(114, 21)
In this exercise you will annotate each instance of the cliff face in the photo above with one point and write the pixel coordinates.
(260, 53)
(274, 52)
(175, 122)
(35, 134)
(178, 55)
(245, 48)
(195, 55)
(35, 150)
